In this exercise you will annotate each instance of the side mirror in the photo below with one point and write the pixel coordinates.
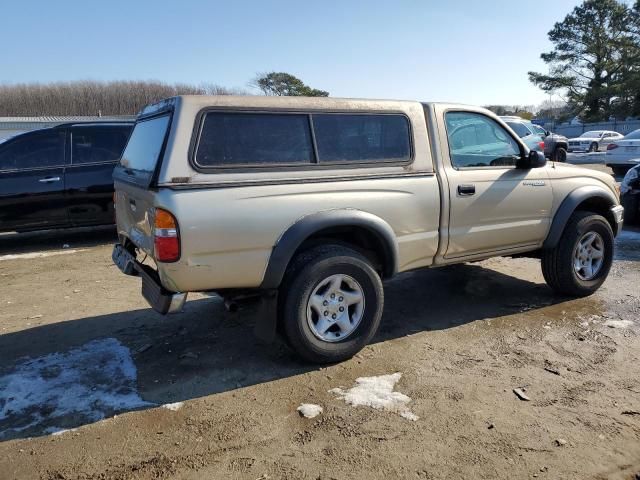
(547, 133)
(536, 159)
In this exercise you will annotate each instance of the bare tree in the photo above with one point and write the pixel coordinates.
(89, 97)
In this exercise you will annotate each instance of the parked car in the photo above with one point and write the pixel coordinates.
(624, 153)
(309, 203)
(61, 176)
(630, 190)
(525, 131)
(555, 145)
(593, 140)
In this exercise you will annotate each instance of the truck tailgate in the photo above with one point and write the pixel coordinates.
(134, 215)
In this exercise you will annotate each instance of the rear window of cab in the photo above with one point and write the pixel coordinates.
(239, 139)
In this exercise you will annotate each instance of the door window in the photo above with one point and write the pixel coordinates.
(34, 150)
(98, 144)
(477, 141)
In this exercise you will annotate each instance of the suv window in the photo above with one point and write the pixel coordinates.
(539, 130)
(237, 139)
(361, 138)
(32, 150)
(98, 144)
(520, 129)
(478, 141)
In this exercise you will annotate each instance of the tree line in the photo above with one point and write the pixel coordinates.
(595, 61)
(126, 97)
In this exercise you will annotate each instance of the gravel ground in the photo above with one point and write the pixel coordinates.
(94, 385)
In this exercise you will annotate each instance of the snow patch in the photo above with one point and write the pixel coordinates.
(309, 410)
(64, 390)
(409, 415)
(174, 407)
(55, 431)
(618, 323)
(32, 255)
(377, 392)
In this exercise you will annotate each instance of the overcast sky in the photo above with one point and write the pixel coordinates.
(475, 52)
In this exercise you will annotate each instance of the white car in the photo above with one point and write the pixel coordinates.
(624, 154)
(593, 140)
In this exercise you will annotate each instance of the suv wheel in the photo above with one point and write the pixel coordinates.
(330, 303)
(631, 206)
(620, 170)
(560, 154)
(593, 147)
(581, 261)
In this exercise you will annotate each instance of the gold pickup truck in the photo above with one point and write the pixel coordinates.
(311, 203)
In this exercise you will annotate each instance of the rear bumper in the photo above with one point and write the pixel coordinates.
(159, 298)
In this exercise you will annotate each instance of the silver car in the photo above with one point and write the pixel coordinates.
(624, 153)
(593, 140)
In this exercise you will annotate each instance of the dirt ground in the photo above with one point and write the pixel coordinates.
(462, 337)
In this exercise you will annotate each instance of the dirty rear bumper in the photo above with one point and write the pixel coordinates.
(159, 298)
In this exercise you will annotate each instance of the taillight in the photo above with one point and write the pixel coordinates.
(541, 144)
(612, 146)
(166, 237)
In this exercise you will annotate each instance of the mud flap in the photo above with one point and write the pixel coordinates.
(265, 328)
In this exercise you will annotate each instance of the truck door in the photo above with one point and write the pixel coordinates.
(494, 206)
(32, 181)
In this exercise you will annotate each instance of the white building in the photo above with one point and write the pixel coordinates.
(11, 126)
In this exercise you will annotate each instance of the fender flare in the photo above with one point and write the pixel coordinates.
(569, 205)
(297, 233)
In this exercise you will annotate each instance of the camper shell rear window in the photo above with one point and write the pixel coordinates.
(146, 144)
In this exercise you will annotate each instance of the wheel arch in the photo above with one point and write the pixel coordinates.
(361, 227)
(561, 144)
(588, 198)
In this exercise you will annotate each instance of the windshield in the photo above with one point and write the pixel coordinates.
(519, 128)
(635, 135)
(591, 135)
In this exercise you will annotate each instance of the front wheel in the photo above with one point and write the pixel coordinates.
(593, 147)
(330, 303)
(581, 261)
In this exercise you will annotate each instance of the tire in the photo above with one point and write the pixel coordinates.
(593, 147)
(300, 322)
(558, 263)
(559, 155)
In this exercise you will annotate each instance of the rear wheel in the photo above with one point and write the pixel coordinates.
(593, 147)
(559, 155)
(631, 204)
(620, 171)
(331, 303)
(580, 263)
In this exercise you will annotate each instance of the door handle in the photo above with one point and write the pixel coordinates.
(466, 190)
(49, 179)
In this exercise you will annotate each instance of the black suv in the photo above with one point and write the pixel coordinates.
(61, 176)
